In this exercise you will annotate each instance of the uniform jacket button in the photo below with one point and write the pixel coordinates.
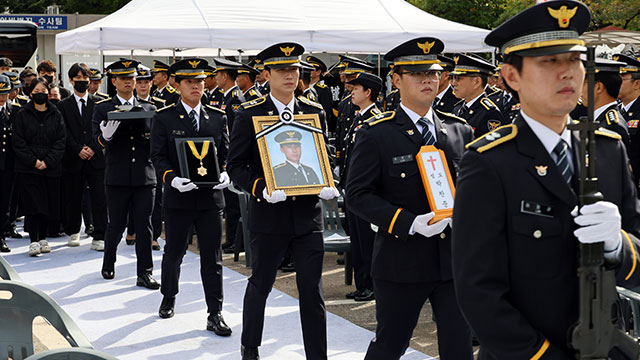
(133, 148)
(537, 234)
(133, 160)
(403, 175)
(443, 235)
(293, 198)
(132, 138)
(258, 199)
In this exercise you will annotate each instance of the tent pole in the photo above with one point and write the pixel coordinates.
(378, 64)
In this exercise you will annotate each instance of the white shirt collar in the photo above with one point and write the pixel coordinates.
(292, 164)
(85, 97)
(628, 106)
(148, 98)
(367, 108)
(468, 104)
(415, 116)
(162, 88)
(601, 109)
(189, 108)
(280, 106)
(547, 137)
(439, 96)
(231, 88)
(122, 100)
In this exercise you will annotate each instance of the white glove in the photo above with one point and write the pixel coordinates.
(108, 128)
(598, 222)
(183, 184)
(328, 193)
(421, 225)
(224, 181)
(276, 196)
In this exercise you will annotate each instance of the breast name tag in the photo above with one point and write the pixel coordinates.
(529, 207)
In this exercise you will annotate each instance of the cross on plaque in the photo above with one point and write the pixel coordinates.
(432, 161)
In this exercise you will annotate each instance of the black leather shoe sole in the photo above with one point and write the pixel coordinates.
(151, 285)
(363, 297)
(166, 308)
(249, 353)
(353, 294)
(218, 331)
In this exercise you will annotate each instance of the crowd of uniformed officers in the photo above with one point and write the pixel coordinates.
(507, 257)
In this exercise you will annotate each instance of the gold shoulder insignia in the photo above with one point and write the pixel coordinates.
(16, 104)
(215, 108)
(166, 107)
(374, 120)
(253, 92)
(612, 117)
(322, 86)
(459, 102)
(494, 138)
(376, 111)
(170, 89)
(235, 93)
(393, 91)
(310, 102)
(346, 97)
(22, 97)
(451, 116)
(279, 166)
(103, 100)
(155, 98)
(101, 94)
(252, 103)
(608, 133)
(488, 104)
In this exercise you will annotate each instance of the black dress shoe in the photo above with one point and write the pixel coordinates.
(89, 230)
(340, 261)
(216, 323)
(13, 234)
(108, 272)
(131, 242)
(166, 307)
(288, 267)
(147, 281)
(353, 294)
(249, 353)
(365, 295)
(3, 246)
(229, 249)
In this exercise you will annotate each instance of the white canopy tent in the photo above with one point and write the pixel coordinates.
(355, 26)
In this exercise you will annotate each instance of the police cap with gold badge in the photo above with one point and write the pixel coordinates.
(471, 65)
(192, 68)
(124, 68)
(14, 78)
(5, 85)
(316, 63)
(632, 64)
(247, 69)
(224, 64)
(352, 65)
(95, 74)
(370, 81)
(210, 70)
(144, 73)
(159, 66)
(420, 54)
(446, 63)
(548, 28)
(605, 65)
(256, 64)
(281, 55)
(288, 137)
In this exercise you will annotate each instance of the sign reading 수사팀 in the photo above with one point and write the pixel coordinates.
(45, 22)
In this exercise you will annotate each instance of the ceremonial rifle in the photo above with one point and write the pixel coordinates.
(595, 333)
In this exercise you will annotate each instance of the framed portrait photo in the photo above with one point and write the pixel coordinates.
(437, 181)
(198, 160)
(294, 156)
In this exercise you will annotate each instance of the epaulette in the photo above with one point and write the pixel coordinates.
(494, 138)
(345, 98)
(103, 100)
(101, 94)
(488, 104)
(612, 117)
(170, 89)
(451, 116)
(253, 92)
(494, 91)
(166, 107)
(374, 120)
(22, 97)
(459, 102)
(16, 104)
(155, 98)
(235, 93)
(279, 166)
(252, 103)
(215, 108)
(376, 111)
(322, 86)
(310, 102)
(608, 133)
(392, 92)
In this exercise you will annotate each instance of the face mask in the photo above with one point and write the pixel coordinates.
(54, 101)
(49, 78)
(40, 98)
(80, 86)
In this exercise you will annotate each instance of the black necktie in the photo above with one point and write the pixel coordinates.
(427, 136)
(83, 107)
(304, 177)
(562, 160)
(127, 103)
(436, 101)
(194, 121)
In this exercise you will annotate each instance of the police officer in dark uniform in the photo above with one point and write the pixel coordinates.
(246, 82)
(130, 178)
(411, 259)
(630, 107)
(445, 101)
(607, 88)
(215, 96)
(469, 79)
(186, 204)
(516, 227)
(325, 98)
(278, 222)
(161, 81)
(8, 113)
(262, 84)
(143, 93)
(95, 80)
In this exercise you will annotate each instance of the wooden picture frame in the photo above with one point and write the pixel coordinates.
(205, 172)
(280, 173)
(437, 181)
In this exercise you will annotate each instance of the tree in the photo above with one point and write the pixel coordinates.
(480, 13)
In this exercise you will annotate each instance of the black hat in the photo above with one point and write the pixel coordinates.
(123, 68)
(288, 137)
(281, 55)
(632, 63)
(548, 28)
(352, 65)
(5, 85)
(256, 64)
(371, 81)
(144, 73)
(210, 70)
(317, 63)
(159, 66)
(471, 65)
(247, 69)
(446, 62)
(5, 61)
(224, 64)
(14, 78)
(605, 65)
(420, 54)
(193, 68)
(95, 74)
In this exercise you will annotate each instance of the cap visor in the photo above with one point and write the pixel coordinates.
(551, 50)
(422, 67)
(282, 66)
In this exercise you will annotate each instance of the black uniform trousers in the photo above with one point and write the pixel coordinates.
(119, 199)
(156, 216)
(178, 229)
(398, 307)
(6, 187)
(232, 214)
(14, 203)
(362, 237)
(74, 185)
(307, 252)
